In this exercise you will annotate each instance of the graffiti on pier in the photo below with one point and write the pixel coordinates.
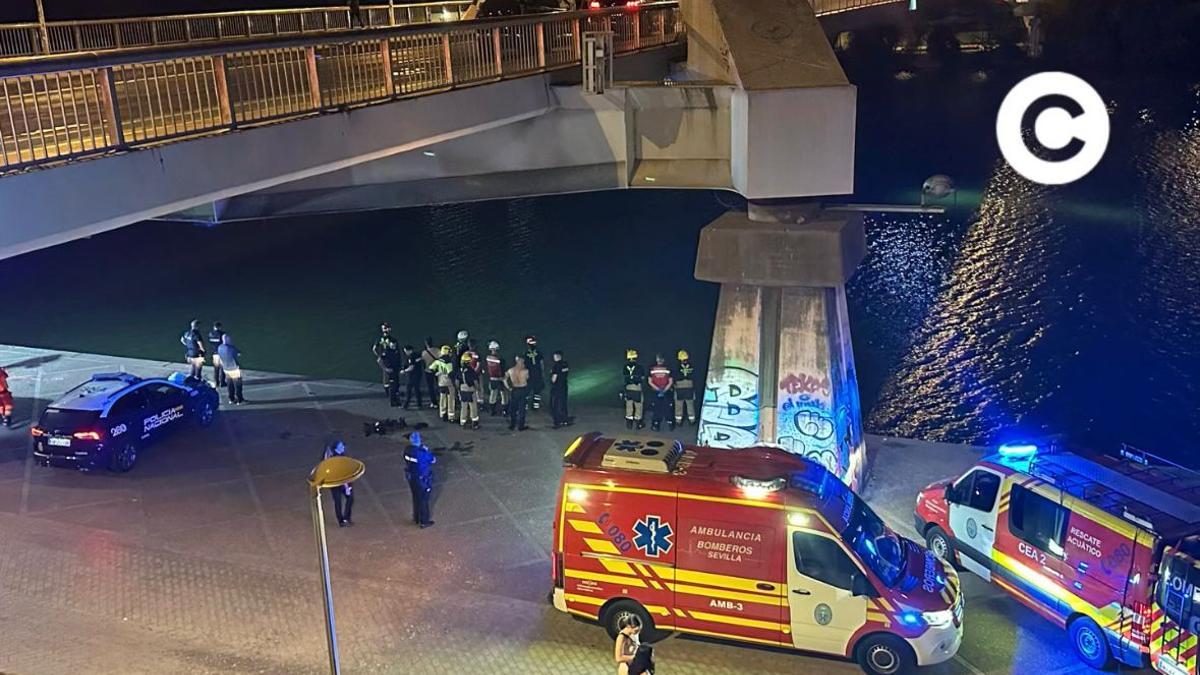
(805, 384)
(811, 425)
(729, 416)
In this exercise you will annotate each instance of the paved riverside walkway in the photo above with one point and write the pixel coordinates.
(201, 560)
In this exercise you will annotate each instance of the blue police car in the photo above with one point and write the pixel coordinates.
(108, 420)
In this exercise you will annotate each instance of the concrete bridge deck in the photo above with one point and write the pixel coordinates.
(201, 559)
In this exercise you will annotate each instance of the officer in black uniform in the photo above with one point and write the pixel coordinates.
(559, 372)
(214, 343)
(534, 361)
(418, 469)
(343, 495)
(387, 355)
(414, 374)
(635, 377)
(193, 346)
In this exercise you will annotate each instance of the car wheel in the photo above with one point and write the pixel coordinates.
(206, 414)
(611, 619)
(1090, 644)
(124, 457)
(884, 654)
(940, 543)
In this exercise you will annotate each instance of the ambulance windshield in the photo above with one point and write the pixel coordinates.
(875, 544)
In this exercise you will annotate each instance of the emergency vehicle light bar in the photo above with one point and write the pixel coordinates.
(757, 485)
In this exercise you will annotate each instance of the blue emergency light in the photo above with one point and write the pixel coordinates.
(1017, 450)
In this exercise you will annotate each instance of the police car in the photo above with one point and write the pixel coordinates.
(108, 420)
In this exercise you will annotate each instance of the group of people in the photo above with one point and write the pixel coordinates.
(226, 358)
(418, 472)
(459, 381)
(671, 391)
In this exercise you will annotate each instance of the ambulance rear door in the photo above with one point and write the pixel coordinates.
(827, 591)
(974, 501)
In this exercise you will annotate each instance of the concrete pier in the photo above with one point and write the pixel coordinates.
(201, 559)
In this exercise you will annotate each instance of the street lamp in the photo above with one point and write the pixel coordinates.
(330, 473)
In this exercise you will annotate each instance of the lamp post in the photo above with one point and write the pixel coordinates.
(41, 11)
(330, 473)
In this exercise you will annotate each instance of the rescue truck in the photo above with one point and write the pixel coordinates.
(755, 545)
(1104, 546)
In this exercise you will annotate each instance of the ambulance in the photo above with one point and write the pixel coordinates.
(1104, 546)
(754, 545)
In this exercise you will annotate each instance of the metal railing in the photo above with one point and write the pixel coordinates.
(827, 7)
(58, 108)
(64, 37)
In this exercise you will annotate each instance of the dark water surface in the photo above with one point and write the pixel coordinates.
(1026, 308)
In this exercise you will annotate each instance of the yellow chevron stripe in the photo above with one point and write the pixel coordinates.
(886, 605)
(617, 566)
(879, 617)
(738, 621)
(601, 546)
(609, 578)
(658, 609)
(654, 584)
(679, 612)
(584, 599)
(572, 507)
(585, 526)
(771, 600)
(727, 636)
(725, 581)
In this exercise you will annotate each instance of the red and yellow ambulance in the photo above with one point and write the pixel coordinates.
(1103, 546)
(756, 545)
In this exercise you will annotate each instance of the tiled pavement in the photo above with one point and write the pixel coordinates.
(202, 559)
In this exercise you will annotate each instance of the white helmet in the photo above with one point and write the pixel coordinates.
(493, 345)
(462, 335)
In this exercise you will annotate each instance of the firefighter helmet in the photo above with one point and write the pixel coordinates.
(493, 345)
(531, 340)
(630, 354)
(682, 355)
(446, 351)
(466, 357)
(463, 335)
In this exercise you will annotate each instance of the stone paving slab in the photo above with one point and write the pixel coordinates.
(202, 559)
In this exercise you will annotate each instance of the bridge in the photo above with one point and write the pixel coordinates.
(742, 95)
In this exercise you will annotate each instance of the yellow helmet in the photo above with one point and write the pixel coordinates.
(630, 354)
(682, 355)
(446, 351)
(466, 357)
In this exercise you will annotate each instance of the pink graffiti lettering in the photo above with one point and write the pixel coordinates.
(804, 384)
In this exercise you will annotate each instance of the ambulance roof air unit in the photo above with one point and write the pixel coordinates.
(643, 454)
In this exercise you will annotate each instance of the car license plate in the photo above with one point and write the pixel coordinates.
(60, 441)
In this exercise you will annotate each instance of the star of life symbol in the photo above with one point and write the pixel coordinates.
(653, 536)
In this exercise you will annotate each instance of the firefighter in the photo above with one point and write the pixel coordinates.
(558, 390)
(461, 345)
(443, 370)
(193, 346)
(214, 343)
(497, 394)
(533, 361)
(516, 380)
(635, 376)
(685, 390)
(468, 388)
(343, 495)
(418, 470)
(662, 384)
(387, 355)
(6, 399)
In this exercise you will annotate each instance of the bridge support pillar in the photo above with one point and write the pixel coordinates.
(781, 370)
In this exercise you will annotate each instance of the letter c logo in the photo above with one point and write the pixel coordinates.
(1070, 128)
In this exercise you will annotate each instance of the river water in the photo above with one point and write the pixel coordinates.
(1024, 309)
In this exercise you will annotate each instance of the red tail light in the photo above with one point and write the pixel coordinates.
(594, 4)
(632, 3)
(87, 435)
(37, 431)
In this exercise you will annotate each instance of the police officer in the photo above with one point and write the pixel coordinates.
(428, 356)
(635, 376)
(418, 470)
(387, 355)
(414, 373)
(343, 496)
(497, 393)
(685, 389)
(468, 388)
(214, 343)
(661, 383)
(558, 390)
(193, 346)
(443, 370)
(533, 361)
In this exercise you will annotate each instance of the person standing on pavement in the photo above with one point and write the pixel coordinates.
(387, 355)
(497, 393)
(516, 380)
(635, 376)
(628, 641)
(461, 344)
(534, 362)
(418, 470)
(428, 357)
(6, 399)
(214, 345)
(559, 372)
(193, 346)
(443, 370)
(414, 375)
(343, 495)
(661, 384)
(231, 361)
(685, 390)
(468, 392)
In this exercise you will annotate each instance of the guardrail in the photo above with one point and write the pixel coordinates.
(827, 7)
(59, 108)
(63, 37)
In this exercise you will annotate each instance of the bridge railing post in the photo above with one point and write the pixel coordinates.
(541, 45)
(497, 53)
(385, 56)
(221, 82)
(314, 78)
(447, 60)
(111, 111)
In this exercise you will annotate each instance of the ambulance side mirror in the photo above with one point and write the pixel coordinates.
(950, 494)
(861, 586)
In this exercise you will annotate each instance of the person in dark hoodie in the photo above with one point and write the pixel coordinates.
(231, 363)
(214, 345)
